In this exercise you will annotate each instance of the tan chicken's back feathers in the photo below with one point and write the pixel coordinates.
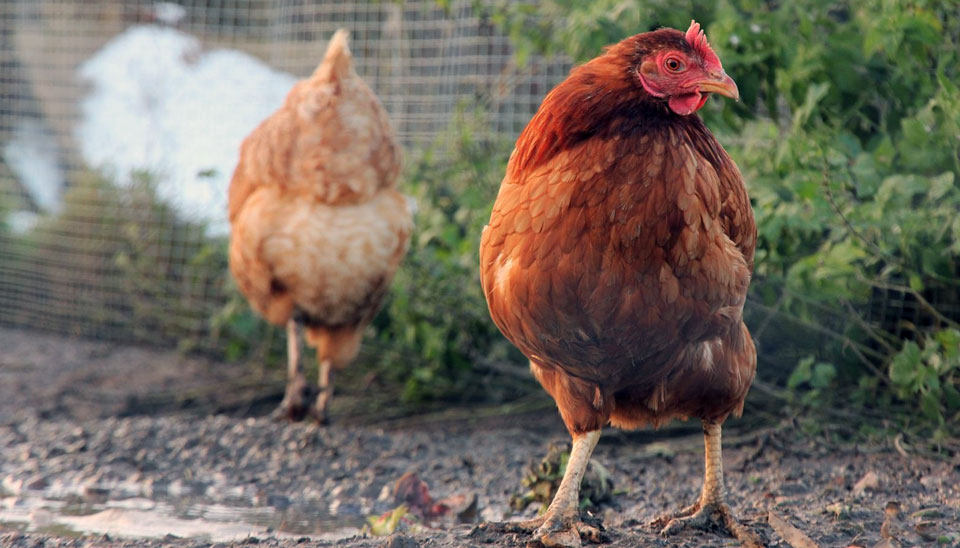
(337, 61)
(318, 227)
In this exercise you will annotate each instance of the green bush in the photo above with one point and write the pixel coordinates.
(435, 336)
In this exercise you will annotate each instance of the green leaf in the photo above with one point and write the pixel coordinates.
(801, 373)
(903, 366)
(823, 375)
(949, 340)
(940, 185)
(951, 396)
(930, 406)
(916, 283)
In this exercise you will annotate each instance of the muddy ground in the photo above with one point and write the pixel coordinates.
(107, 445)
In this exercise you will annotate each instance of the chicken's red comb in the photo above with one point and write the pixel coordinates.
(698, 41)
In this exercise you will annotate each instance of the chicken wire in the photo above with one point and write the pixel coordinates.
(80, 256)
(85, 247)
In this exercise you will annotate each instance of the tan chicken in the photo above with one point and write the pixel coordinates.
(318, 228)
(618, 257)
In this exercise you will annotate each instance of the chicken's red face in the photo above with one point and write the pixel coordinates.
(685, 72)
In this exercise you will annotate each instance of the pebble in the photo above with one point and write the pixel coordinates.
(869, 482)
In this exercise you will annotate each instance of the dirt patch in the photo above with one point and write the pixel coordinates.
(69, 459)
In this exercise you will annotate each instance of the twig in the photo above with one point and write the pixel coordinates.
(794, 537)
(766, 321)
(916, 295)
(877, 334)
(898, 445)
(846, 221)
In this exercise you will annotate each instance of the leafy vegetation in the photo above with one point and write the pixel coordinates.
(847, 134)
(435, 335)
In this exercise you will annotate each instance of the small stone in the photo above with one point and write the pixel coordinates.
(794, 488)
(400, 541)
(93, 493)
(869, 482)
(36, 483)
(280, 502)
(12, 485)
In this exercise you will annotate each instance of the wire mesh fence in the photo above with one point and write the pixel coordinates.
(120, 121)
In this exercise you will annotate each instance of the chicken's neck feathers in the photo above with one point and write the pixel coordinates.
(597, 102)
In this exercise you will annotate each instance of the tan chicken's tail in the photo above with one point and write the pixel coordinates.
(340, 345)
(337, 60)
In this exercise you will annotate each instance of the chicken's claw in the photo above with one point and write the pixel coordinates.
(294, 407)
(716, 516)
(319, 416)
(559, 532)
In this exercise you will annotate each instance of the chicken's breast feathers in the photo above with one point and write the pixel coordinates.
(611, 256)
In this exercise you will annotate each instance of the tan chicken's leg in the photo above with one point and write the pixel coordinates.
(325, 381)
(293, 405)
(561, 525)
(711, 511)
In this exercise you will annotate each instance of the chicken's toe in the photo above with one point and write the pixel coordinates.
(294, 405)
(661, 521)
(319, 415)
(560, 537)
(554, 532)
(716, 516)
(568, 533)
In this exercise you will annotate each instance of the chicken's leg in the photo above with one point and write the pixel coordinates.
(561, 525)
(711, 511)
(325, 381)
(293, 405)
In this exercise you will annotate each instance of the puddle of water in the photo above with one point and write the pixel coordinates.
(140, 517)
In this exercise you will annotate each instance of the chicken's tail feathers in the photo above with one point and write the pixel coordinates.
(337, 61)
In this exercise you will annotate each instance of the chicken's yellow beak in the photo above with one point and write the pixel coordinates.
(722, 84)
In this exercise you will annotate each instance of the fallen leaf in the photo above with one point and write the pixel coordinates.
(839, 510)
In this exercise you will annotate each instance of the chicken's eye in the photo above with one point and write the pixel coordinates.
(673, 64)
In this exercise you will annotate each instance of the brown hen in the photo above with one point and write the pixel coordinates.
(618, 256)
(318, 228)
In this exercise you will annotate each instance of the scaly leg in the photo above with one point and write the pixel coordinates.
(561, 525)
(325, 381)
(710, 511)
(293, 405)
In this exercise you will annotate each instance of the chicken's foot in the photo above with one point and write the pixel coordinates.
(710, 512)
(561, 526)
(293, 406)
(563, 533)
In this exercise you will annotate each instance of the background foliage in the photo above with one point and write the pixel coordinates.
(848, 134)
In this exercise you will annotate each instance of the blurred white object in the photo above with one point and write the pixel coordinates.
(169, 13)
(21, 222)
(161, 104)
(33, 156)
